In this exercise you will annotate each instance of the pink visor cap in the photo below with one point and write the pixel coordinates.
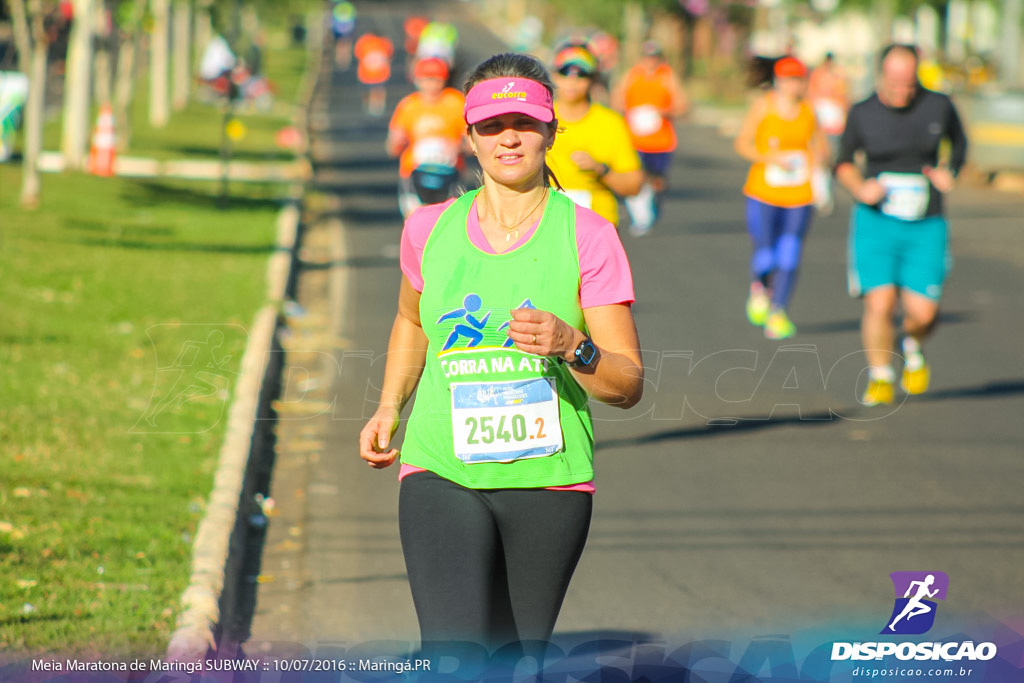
(497, 96)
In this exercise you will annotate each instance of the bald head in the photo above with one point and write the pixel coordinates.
(897, 82)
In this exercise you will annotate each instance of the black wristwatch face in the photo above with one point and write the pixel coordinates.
(585, 353)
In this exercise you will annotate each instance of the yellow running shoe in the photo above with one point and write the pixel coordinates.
(879, 392)
(779, 326)
(916, 381)
(758, 305)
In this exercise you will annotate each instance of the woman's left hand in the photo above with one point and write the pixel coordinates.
(940, 177)
(543, 333)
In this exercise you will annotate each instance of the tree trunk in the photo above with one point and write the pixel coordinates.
(159, 54)
(1010, 44)
(77, 87)
(125, 71)
(182, 54)
(101, 63)
(634, 28)
(124, 88)
(202, 30)
(34, 112)
(22, 41)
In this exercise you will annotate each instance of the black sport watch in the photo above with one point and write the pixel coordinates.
(585, 354)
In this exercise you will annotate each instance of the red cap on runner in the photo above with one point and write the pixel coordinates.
(430, 67)
(790, 67)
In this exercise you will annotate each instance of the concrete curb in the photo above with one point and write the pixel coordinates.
(280, 266)
(201, 600)
(201, 614)
(192, 169)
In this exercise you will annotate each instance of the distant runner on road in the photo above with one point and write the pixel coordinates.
(780, 136)
(593, 157)
(899, 250)
(343, 26)
(428, 133)
(374, 54)
(651, 96)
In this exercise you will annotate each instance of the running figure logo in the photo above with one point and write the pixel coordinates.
(201, 374)
(914, 612)
(472, 328)
(508, 343)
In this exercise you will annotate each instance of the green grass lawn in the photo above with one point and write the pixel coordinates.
(117, 296)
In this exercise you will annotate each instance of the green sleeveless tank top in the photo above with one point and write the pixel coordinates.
(486, 414)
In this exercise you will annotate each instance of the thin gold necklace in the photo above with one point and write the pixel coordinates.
(514, 228)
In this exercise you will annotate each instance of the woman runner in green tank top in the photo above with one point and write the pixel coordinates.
(505, 359)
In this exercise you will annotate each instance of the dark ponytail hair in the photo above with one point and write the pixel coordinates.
(510, 65)
(515, 65)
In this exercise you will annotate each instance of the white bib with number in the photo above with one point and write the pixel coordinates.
(831, 116)
(505, 421)
(377, 60)
(906, 195)
(435, 152)
(792, 172)
(644, 120)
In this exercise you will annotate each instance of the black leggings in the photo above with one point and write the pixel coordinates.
(489, 566)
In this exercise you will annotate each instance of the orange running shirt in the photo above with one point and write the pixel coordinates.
(435, 131)
(374, 55)
(827, 90)
(783, 184)
(647, 96)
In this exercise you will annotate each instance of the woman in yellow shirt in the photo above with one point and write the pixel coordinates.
(593, 157)
(782, 139)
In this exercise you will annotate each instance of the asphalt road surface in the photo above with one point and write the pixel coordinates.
(749, 495)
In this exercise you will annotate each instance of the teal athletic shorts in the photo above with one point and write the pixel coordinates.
(884, 251)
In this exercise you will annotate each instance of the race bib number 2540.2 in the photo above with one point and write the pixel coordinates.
(505, 421)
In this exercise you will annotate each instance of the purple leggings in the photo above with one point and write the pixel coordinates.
(777, 234)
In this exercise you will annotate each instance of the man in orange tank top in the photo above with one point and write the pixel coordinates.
(650, 96)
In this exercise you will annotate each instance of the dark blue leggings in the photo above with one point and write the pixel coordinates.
(489, 566)
(777, 234)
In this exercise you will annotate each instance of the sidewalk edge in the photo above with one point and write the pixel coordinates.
(195, 636)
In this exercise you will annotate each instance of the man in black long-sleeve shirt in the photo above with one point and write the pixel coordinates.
(898, 232)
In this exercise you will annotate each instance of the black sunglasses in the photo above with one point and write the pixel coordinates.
(573, 70)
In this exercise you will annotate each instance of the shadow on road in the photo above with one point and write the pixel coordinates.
(357, 262)
(723, 426)
(989, 390)
(853, 324)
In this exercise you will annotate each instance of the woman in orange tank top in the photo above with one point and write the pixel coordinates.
(650, 96)
(781, 138)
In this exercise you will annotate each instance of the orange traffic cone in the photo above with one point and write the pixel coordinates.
(102, 151)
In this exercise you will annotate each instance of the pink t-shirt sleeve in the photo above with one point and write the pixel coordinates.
(605, 277)
(414, 239)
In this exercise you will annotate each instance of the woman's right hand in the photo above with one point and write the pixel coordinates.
(870, 192)
(375, 438)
